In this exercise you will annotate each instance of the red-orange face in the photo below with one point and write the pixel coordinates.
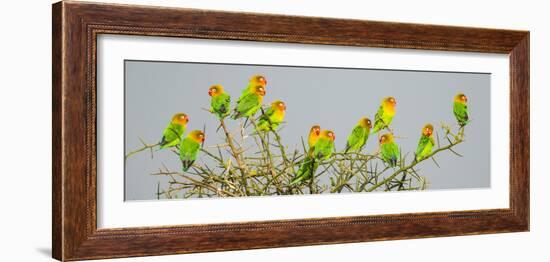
(201, 137)
(391, 101)
(331, 135)
(365, 122)
(180, 118)
(260, 90)
(197, 135)
(385, 138)
(280, 105)
(215, 90)
(428, 130)
(316, 130)
(261, 80)
(461, 98)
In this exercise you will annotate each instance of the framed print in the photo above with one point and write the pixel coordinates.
(181, 130)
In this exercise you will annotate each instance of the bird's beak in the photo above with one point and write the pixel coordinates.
(210, 92)
(263, 82)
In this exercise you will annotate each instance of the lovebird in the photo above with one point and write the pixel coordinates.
(313, 136)
(359, 135)
(389, 149)
(385, 114)
(460, 109)
(249, 103)
(309, 165)
(426, 143)
(220, 103)
(174, 131)
(324, 146)
(189, 148)
(274, 116)
(256, 80)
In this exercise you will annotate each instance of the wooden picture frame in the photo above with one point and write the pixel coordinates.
(75, 28)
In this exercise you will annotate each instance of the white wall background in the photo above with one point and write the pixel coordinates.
(25, 129)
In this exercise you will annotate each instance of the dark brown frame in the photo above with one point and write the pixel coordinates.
(76, 26)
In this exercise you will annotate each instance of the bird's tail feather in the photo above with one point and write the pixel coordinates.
(187, 164)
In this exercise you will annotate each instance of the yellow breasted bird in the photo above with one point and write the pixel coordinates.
(385, 114)
(189, 148)
(172, 134)
(389, 150)
(220, 103)
(322, 150)
(272, 117)
(359, 135)
(426, 143)
(255, 80)
(460, 109)
(308, 166)
(249, 103)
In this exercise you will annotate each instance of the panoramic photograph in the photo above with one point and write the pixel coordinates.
(205, 130)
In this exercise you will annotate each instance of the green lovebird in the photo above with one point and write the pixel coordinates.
(309, 164)
(389, 150)
(249, 103)
(256, 80)
(272, 117)
(314, 134)
(174, 131)
(426, 143)
(460, 109)
(324, 146)
(359, 135)
(189, 148)
(221, 101)
(385, 114)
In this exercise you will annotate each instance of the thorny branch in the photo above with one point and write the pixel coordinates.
(270, 170)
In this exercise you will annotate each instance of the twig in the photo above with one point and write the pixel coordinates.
(414, 163)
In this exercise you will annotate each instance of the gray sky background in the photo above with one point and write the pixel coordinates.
(334, 98)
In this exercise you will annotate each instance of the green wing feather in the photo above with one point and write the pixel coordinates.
(189, 150)
(461, 113)
(171, 135)
(425, 146)
(247, 105)
(265, 119)
(221, 105)
(323, 149)
(356, 140)
(381, 120)
(306, 171)
(390, 153)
